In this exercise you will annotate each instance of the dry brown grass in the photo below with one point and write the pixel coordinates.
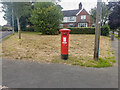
(45, 48)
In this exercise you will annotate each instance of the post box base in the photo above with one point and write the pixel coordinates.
(64, 56)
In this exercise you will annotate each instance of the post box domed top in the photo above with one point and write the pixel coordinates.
(65, 30)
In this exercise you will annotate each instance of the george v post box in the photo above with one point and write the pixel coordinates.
(64, 43)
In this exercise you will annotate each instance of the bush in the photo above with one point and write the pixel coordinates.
(30, 29)
(47, 31)
(46, 18)
(89, 30)
(105, 30)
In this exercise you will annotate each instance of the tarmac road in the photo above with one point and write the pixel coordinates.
(25, 74)
(4, 34)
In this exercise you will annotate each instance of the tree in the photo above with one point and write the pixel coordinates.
(93, 14)
(105, 13)
(114, 17)
(6, 8)
(46, 17)
(20, 9)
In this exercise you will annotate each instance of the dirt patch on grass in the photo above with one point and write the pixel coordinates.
(45, 48)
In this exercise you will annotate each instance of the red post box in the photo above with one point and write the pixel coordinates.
(64, 43)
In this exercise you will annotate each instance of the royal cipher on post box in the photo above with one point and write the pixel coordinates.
(64, 43)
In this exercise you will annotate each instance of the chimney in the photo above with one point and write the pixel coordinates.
(80, 6)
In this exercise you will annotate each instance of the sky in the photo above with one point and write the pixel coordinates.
(66, 4)
(2, 21)
(73, 4)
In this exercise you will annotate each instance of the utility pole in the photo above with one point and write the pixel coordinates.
(97, 30)
(12, 19)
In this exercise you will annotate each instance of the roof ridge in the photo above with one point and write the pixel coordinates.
(71, 10)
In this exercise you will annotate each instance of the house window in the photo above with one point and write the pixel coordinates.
(83, 16)
(65, 19)
(82, 25)
(72, 19)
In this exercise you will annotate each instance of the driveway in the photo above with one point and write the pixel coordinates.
(27, 74)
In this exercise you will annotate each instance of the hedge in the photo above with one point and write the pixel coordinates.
(105, 30)
(82, 30)
(30, 29)
(89, 30)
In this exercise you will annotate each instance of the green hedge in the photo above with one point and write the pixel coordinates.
(89, 30)
(30, 29)
(82, 30)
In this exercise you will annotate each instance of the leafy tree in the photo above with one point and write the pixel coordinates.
(20, 9)
(114, 17)
(46, 17)
(93, 14)
(6, 8)
(105, 13)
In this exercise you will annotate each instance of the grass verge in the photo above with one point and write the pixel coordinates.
(46, 48)
(87, 61)
(117, 36)
(8, 37)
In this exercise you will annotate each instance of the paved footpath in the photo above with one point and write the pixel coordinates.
(26, 74)
(4, 34)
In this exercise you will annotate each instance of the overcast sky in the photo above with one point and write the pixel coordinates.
(73, 4)
(67, 5)
(2, 21)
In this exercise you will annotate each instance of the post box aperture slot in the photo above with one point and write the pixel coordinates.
(64, 34)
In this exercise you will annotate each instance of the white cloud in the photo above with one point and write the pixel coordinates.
(73, 4)
(2, 21)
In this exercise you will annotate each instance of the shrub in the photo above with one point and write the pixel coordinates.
(31, 29)
(105, 30)
(89, 30)
(46, 17)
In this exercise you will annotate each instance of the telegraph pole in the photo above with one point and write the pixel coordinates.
(12, 19)
(97, 30)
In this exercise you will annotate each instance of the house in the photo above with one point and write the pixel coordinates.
(76, 18)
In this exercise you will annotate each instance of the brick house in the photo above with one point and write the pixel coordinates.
(76, 18)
